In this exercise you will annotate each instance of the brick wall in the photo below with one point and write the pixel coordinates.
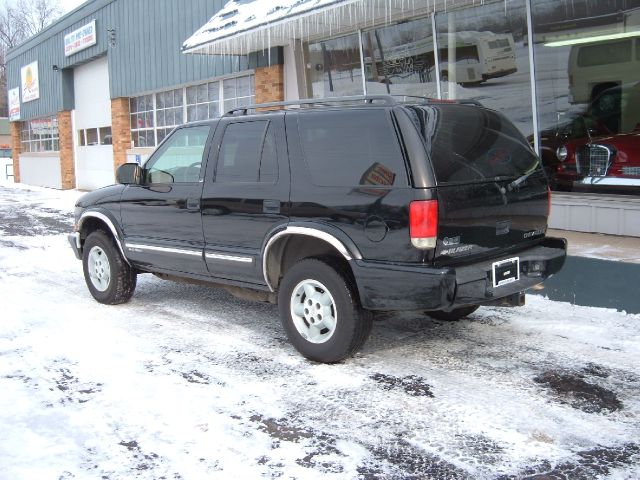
(269, 84)
(120, 130)
(67, 164)
(15, 145)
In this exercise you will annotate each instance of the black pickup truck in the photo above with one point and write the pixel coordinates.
(333, 209)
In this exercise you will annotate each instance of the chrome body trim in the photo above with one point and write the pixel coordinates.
(310, 232)
(109, 223)
(152, 248)
(230, 258)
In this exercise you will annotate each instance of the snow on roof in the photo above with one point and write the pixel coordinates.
(245, 26)
(239, 16)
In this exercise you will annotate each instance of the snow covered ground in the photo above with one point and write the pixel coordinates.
(186, 382)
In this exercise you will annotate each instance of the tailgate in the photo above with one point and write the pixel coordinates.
(492, 192)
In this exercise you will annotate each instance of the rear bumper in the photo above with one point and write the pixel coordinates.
(384, 286)
(501, 73)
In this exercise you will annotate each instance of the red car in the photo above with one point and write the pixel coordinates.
(605, 163)
(600, 150)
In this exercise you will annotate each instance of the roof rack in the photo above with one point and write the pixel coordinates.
(388, 100)
(366, 99)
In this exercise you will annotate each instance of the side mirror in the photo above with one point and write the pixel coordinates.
(129, 174)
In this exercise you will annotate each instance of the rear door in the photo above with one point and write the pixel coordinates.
(491, 189)
(246, 194)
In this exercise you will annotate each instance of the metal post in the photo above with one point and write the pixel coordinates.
(532, 74)
(364, 73)
(436, 54)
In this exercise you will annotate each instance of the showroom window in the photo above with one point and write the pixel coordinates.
(481, 54)
(399, 60)
(588, 61)
(333, 68)
(40, 135)
(155, 115)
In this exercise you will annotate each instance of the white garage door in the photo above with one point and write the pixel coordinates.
(92, 124)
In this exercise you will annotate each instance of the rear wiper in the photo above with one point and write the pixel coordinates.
(518, 181)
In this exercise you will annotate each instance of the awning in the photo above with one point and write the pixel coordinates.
(245, 26)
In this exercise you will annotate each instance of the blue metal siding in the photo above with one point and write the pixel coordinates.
(146, 56)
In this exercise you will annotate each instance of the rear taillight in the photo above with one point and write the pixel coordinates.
(548, 202)
(423, 223)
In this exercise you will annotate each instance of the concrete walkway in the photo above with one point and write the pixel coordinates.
(600, 271)
(603, 247)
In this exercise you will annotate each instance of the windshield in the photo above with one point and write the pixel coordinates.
(469, 143)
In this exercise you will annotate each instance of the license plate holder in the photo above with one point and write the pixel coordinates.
(506, 271)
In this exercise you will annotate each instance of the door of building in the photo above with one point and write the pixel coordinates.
(93, 150)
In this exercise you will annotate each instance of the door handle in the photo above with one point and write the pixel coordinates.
(193, 204)
(271, 206)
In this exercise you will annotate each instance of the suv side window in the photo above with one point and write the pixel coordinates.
(248, 153)
(352, 148)
(179, 159)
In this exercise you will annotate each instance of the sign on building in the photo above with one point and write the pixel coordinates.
(14, 104)
(79, 39)
(30, 82)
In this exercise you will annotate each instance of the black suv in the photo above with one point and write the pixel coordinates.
(351, 206)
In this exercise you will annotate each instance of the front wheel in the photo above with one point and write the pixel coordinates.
(453, 315)
(320, 311)
(110, 279)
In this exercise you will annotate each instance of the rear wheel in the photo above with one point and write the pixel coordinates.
(320, 311)
(453, 315)
(109, 277)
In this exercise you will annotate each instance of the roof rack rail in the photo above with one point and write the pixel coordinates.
(366, 99)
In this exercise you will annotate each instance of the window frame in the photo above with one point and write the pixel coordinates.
(157, 130)
(28, 138)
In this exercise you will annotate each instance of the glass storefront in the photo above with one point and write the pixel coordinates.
(484, 56)
(399, 59)
(333, 68)
(587, 76)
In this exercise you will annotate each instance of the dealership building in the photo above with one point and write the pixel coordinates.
(107, 82)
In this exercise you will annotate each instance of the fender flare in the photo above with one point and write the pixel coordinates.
(333, 236)
(106, 219)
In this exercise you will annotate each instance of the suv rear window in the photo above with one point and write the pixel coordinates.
(352, 148)
(468, 143)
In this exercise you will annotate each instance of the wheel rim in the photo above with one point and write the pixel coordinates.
(313, 311)
(99, 269)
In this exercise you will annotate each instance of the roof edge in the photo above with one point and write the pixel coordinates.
(58, 26)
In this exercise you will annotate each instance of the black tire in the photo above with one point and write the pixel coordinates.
(110, 279)
(453, 315)
(351, 323)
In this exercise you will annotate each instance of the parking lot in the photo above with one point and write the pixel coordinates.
(188, 382)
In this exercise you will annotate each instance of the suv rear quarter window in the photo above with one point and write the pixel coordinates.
(352, 148)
